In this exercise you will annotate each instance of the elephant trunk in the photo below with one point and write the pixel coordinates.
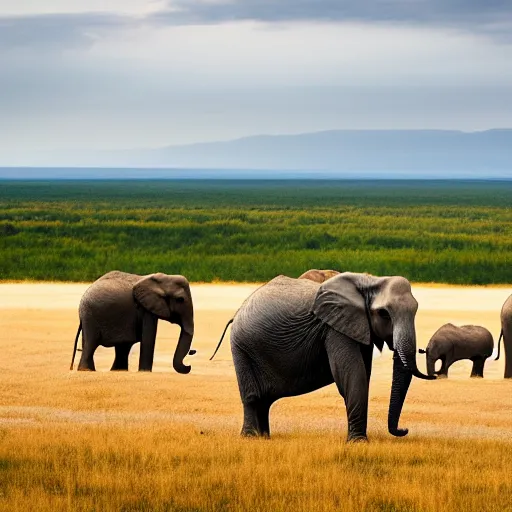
(183, 347)
(401, 381)
(404, 367)
(431, 365)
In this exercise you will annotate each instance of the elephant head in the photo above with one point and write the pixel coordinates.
(168, 297)
(376, 309)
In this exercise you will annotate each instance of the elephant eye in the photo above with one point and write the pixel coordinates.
(180, 300)
(384, 314)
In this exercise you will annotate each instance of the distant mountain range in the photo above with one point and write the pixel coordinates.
(336, 153)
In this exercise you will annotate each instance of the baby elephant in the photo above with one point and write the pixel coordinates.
(318, 276)
(451, 343)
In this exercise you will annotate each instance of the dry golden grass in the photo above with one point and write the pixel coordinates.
(156, 467)
(165, 442)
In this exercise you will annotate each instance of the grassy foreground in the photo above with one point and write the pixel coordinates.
(161, 441)
(185, 469)
(452, 232)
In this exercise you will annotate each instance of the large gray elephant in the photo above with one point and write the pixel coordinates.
(451, 343)
(506, 334)
(120, 309)
(319, 276)
(292, 336)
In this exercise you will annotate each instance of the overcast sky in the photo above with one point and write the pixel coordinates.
(107, 74)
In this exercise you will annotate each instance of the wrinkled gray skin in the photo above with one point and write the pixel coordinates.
(120, 309)
(292, 336)
(506, 333)
(451, 343)
(318, 276)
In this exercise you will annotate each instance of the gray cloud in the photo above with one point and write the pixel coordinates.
(454, 12)
(58, 29)
(492, 17)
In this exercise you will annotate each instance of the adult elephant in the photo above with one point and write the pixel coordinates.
(319, 276)
(451, 343)
(121, 309)
(506, 334)
(292, 336)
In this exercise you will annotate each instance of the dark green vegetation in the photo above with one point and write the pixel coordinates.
(443, 231)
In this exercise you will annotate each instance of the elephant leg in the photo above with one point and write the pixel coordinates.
(256, 408)
(90, 342)
(147, 344)
(349, 373)
(263, 411)
(447, 363)
(251, 426)
(256, 418)
(443, 371)
(367, 353)
(478, 367)
(507, 346)
(121, 360)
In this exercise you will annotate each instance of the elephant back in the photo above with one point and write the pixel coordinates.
(277, 318)
(482, 337)
(506, 311)
(283, 291)
(280, 300)
(108, 296)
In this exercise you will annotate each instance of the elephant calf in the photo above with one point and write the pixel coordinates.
(451, 343)
(120, 309)
(318, 276)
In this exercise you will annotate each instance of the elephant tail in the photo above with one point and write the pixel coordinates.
(76, 345)
(421, 351)
(499, 341)
(222, 337)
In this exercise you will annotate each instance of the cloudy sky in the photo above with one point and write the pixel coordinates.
(109, 74)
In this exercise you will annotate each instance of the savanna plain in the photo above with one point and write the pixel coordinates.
(162, 441)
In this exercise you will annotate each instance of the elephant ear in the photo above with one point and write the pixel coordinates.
(341, 305)
(151, 296)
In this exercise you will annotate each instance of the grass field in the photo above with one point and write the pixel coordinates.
(428, 231)
(155, 468)
(129, 441)
(75, 441)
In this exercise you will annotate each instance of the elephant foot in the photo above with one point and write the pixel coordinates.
(85, 369)
(476, 376)
(118, 369)
(249, 432)
(357, 439)
(442, 376)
